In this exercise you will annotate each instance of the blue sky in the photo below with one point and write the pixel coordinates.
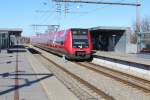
(23, 13)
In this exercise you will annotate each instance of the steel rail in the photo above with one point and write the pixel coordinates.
(139, 83)
(125, 78)
(93, 88)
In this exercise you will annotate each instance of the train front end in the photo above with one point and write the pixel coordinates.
(80, 44)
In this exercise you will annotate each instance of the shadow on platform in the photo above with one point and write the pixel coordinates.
(6, 57)
(27, 81)
(8, 62)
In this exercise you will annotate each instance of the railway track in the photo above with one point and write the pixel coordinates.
(98, 77)
(73, 82)
(135, 82)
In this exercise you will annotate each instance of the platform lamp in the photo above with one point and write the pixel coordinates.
(113, 39)
(0, 42)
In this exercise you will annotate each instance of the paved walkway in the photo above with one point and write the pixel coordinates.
(135, 58)
(35, 82)
(55, 90)
(29, 87)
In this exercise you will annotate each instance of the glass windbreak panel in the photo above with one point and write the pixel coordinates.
(80, 38)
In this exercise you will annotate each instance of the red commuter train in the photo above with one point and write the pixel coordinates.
(74, 43)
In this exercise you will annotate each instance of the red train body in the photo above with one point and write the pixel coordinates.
(73, 43)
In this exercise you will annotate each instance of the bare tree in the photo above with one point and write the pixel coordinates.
(145, 24)
(144, 27)
(133, 38)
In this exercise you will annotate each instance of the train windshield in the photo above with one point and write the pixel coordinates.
(80, 38)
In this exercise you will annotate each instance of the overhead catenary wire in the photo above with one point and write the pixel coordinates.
(45, 14)
(121, 3)
(46, 17)
(99, 2)
(105, 6)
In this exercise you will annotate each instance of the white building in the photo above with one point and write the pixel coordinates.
(8, 37)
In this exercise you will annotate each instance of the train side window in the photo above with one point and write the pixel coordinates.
(61, 42)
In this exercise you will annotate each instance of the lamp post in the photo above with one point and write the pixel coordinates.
(114, 36)
(0, 42)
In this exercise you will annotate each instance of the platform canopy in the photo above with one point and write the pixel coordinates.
(112, 39)
(8, 36)
(11, 31)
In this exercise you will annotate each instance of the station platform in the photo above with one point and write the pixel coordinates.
(143, 59)
(35, 82)
(134, 64)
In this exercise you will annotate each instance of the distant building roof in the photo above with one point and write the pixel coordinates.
(10, 29)
(109, 28)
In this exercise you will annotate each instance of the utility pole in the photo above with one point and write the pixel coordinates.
(66, 8)
(138, 23)
(58, 8)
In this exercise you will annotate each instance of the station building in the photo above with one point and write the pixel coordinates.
(143, 41)
(113, 39)
(9, 37)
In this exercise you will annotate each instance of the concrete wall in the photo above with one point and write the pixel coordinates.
(121, 44)
(124, 45)
(130, 47)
